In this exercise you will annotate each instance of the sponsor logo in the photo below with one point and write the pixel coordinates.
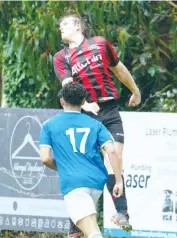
(24, 153)
(88, 62)
(119, 134)
(94, 47)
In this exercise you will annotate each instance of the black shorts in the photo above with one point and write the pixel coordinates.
(110, 117)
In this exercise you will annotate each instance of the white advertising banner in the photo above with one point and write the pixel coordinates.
(150, 173)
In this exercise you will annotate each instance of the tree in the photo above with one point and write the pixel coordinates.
(149, 51)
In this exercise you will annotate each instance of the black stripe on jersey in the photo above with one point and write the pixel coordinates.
(56, 70)
(89, 93)
(108, 83)
(91, 77)
(65, 68)
(113, 61)
(103, 76)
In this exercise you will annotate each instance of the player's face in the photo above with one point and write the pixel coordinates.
(68, 28)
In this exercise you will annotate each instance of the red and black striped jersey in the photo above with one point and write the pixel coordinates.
(89, 64)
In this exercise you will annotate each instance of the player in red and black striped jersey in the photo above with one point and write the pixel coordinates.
(91, 61)
(89, 64)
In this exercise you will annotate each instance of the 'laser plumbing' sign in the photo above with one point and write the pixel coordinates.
(150, 173)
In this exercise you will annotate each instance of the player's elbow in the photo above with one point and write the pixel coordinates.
(67, 80)
(44, 153)
(110, 149)
(45, 159)
(112, 153)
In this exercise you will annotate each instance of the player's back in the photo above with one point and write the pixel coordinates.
(75, 144)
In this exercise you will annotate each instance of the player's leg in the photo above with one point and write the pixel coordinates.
(120, 203)
(89, 226)
(74, 231)
(82, 211)
(110, 117)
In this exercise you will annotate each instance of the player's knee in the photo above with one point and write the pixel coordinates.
(88, 225)
(119, 156)
(95, 235)
(119, 149)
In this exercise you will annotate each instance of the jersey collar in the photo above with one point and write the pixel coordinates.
(73, 111)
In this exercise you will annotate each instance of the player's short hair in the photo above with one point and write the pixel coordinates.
(78, 20)
(73, 93)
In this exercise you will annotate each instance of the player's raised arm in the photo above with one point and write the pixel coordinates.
(123, 74)
(62, 68)
(126, 78)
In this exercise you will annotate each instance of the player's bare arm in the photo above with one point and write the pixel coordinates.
(126, 78)
(91, 107)
(46, 158)
(116, 166)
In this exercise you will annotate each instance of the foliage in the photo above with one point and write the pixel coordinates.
(0, 74)
(16, 234)
(28, 71)
(31, 39)
(100, 213)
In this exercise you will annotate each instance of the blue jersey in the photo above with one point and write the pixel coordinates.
(75, 139)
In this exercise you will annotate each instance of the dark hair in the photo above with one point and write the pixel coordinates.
(73, 93)
(78, 20)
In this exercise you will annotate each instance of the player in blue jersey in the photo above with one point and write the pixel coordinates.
(75, 139)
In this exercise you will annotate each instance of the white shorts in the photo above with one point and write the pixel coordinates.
(81, 202)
